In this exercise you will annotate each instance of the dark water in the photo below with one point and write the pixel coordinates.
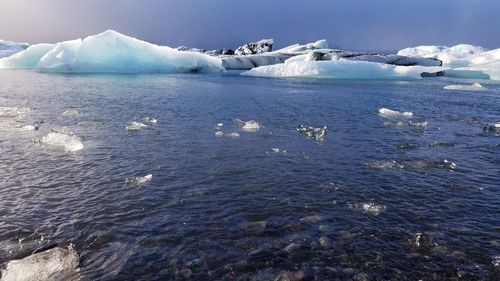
(221, 208)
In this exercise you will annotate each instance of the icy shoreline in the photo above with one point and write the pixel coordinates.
(112, 52)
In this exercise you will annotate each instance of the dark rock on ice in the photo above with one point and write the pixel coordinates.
(259, 47)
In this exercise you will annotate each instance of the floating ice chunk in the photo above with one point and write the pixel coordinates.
(68, 142)
(388, 113)
(317, 134)
(342, 69)
(110, 52)
(422, 241)
(474, 87)
(249, 126)
(219, 133)
(8, 48)
(384, 164)
(414, 164)
(42, 266)
(70, 113)
(369, 207)
(31, 127)
(139, 180)
(151, 120)
(220, 124)
(13, 111)
(232, 135)
(135, 126)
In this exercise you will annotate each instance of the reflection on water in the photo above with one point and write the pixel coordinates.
(173, 201)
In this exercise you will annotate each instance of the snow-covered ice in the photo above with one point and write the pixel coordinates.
(110, 52)
(388, 113)
(342, 69)
(474, 87)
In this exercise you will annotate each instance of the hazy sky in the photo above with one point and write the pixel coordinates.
(349, 24)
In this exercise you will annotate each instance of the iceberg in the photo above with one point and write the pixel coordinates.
(110, 52)
(262, 46)
(465, 61)
(8, 48)
(342, 69)
(474, 87)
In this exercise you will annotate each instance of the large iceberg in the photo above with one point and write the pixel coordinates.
(8, 48)
(110, 52)
(342, 69)
(465, 61)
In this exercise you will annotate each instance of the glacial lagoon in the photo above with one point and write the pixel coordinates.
(193, 195)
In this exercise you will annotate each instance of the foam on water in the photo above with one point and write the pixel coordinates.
(68, 142)
(13, 111)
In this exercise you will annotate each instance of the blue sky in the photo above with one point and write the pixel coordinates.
(351, 24)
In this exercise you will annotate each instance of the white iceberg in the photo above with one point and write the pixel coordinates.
(342, 69)
(465, 61)
(8, 48)
(110, 52)
(456, 56)
(474, 87)
(68, 142)
(388, 113)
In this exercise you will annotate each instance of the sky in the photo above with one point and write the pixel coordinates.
(363, 25)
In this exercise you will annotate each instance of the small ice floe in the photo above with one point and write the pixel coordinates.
(70, 113)
(440, 144)
(135, 126)
(406, 145)
(31, 127)
(314, 133)
(219, 126)
(369, 207)
(421, 241)
(384, 164)
(492, 128)
(13, 111)
(139, 180)
(232, 135)
(43, 266)
(421, 124)
(388, 113)
(151, 120)
(219, 133)
(66, 140)
(90, 124)
(276, 150)
(414, 164)
(474, 87)
(248, 126)
(496, 261)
